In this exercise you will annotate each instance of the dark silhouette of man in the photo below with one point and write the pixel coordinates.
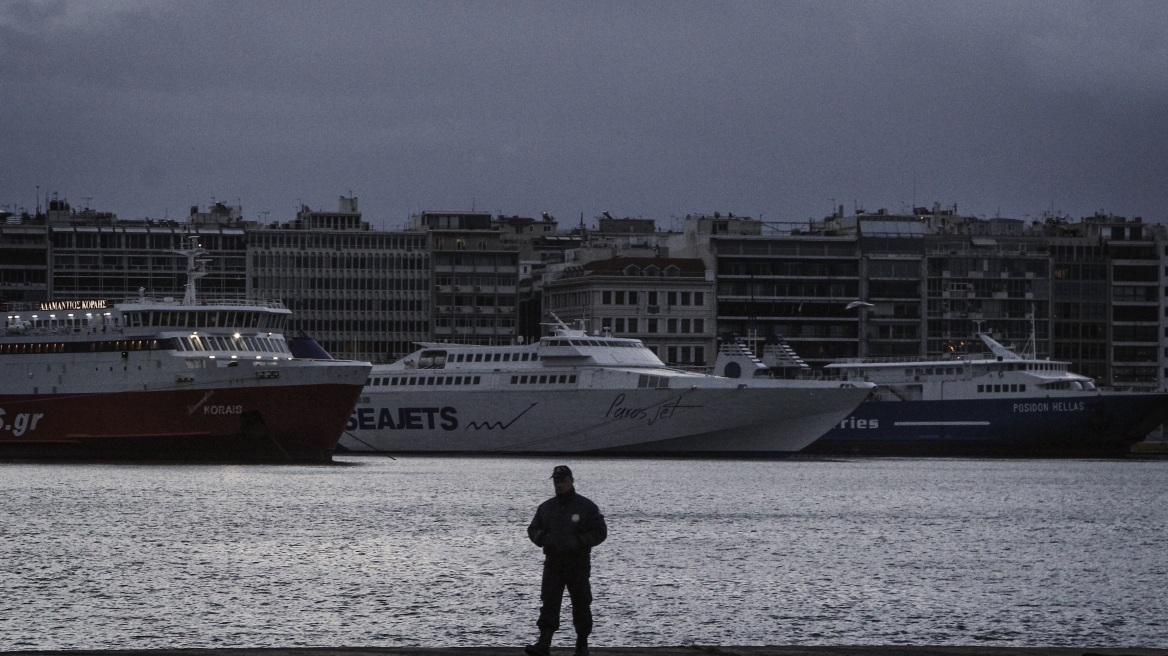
(567, 526)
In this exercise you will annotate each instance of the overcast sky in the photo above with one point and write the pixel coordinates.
(779, 110)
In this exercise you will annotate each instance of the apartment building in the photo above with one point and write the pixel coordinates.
(475, 291)
(361, 294)
(667, 303)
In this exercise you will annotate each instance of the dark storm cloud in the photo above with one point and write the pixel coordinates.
(645, 109)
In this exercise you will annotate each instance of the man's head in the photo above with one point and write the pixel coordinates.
(562, 478)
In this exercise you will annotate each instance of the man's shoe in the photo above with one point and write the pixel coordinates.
(542, 647)
(581, 647)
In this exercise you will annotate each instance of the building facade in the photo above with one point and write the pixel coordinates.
(667, 303)
(1091, 292)
(475, 292)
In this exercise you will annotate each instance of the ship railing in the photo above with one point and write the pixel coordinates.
(232, 301)
(74, 330)
(905, 359)
(1128, 390)
(203, 300)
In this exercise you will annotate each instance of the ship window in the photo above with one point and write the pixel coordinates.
(542, 380)
(514, 380)
(478, 357)
(572, 378)
(498, 357)
(430, 380)
(476, 380)
(980, 389)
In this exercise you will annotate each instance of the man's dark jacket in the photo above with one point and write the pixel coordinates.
(567, 526)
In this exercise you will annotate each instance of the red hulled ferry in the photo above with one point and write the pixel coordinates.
(163, 379)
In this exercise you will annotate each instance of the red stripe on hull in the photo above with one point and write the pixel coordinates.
(268, 424)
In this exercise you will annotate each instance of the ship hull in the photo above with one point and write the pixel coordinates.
(724, 421)
(1079, 425)
(291, 423)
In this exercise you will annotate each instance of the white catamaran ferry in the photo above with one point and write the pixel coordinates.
(577, 393)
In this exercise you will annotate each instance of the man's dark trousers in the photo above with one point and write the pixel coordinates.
(558, 574)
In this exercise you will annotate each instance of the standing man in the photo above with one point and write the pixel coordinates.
(567, 526)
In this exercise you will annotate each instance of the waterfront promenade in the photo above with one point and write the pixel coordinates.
(867, 650)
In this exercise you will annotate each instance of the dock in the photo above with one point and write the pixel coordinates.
(693, 650)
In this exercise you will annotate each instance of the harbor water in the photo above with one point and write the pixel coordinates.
(432, 551)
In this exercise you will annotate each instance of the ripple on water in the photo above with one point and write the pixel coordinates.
(432, 551)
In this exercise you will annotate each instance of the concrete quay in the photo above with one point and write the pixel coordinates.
(868, 650)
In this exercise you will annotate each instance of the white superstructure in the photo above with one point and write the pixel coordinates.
(574, 392)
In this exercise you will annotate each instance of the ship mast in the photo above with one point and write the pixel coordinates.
(196, 268)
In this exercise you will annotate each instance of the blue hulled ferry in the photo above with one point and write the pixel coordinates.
(995, 404)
